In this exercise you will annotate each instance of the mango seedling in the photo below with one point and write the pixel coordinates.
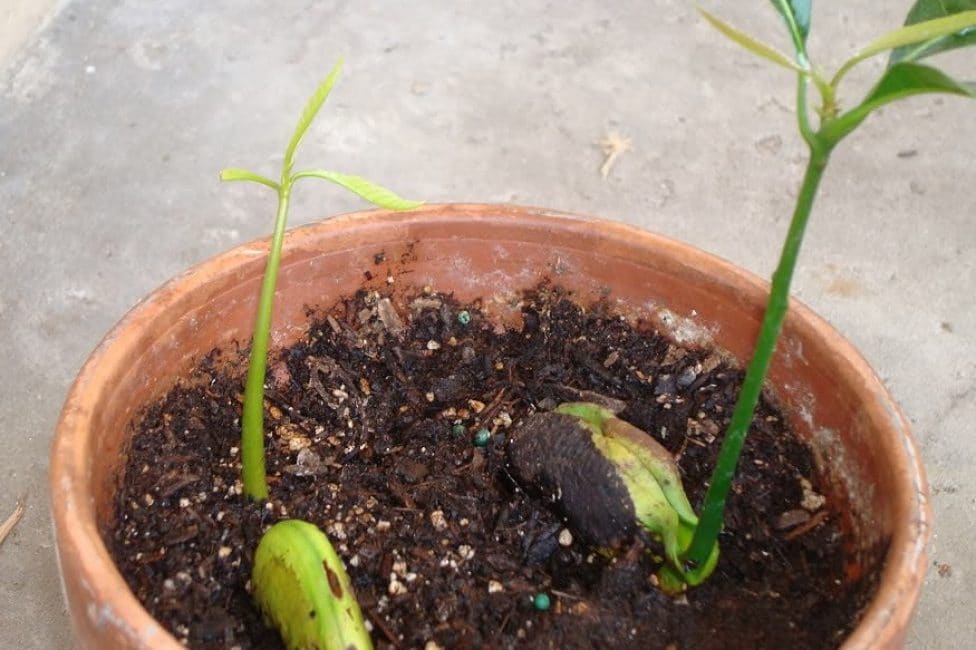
(932, 26)
(252, 421)
(298, 579)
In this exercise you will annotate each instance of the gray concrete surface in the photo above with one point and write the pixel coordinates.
(19, 20)
(116, 117)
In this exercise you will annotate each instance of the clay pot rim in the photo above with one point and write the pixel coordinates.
(69, 471)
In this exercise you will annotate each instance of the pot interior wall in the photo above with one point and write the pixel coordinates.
(476, 254)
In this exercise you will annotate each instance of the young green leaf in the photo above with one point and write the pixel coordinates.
(925, 10)
(796, 13)
(373, 193)
(925, 35)
(235, 174)
(899, 81)
(308, 114)
(961, 23)
(748, 42)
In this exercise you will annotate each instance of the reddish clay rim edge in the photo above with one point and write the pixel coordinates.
(69, 468)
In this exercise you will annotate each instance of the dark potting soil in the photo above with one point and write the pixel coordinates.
(370, 427)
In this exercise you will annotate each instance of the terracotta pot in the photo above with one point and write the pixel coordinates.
(836, 400)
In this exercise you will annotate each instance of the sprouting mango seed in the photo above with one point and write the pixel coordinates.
(304, 591)
(608, 475)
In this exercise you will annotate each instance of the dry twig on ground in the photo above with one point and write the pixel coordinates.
(613, 144)
(13, 519)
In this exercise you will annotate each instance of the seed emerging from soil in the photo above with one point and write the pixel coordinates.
(609, 477)
(302, 588)
(553, 455)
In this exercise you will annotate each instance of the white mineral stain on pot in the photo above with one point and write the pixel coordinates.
(683, 330)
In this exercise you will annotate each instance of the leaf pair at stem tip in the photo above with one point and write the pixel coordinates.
(932, 26)
(369, 191)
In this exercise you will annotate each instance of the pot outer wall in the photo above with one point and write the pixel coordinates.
(485, 252)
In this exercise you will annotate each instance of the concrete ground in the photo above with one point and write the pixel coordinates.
(116, 116)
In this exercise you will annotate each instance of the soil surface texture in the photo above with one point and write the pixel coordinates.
(375, 423)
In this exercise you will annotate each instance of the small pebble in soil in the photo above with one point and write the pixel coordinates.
(482, 438)
(464, 317)
(437, 520)
(541, 602)
(458, 429)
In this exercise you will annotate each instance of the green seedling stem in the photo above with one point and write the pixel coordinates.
(713, 508)
(252, 419)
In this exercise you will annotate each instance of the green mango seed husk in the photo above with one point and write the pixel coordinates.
(303, 590)
(654, 485)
